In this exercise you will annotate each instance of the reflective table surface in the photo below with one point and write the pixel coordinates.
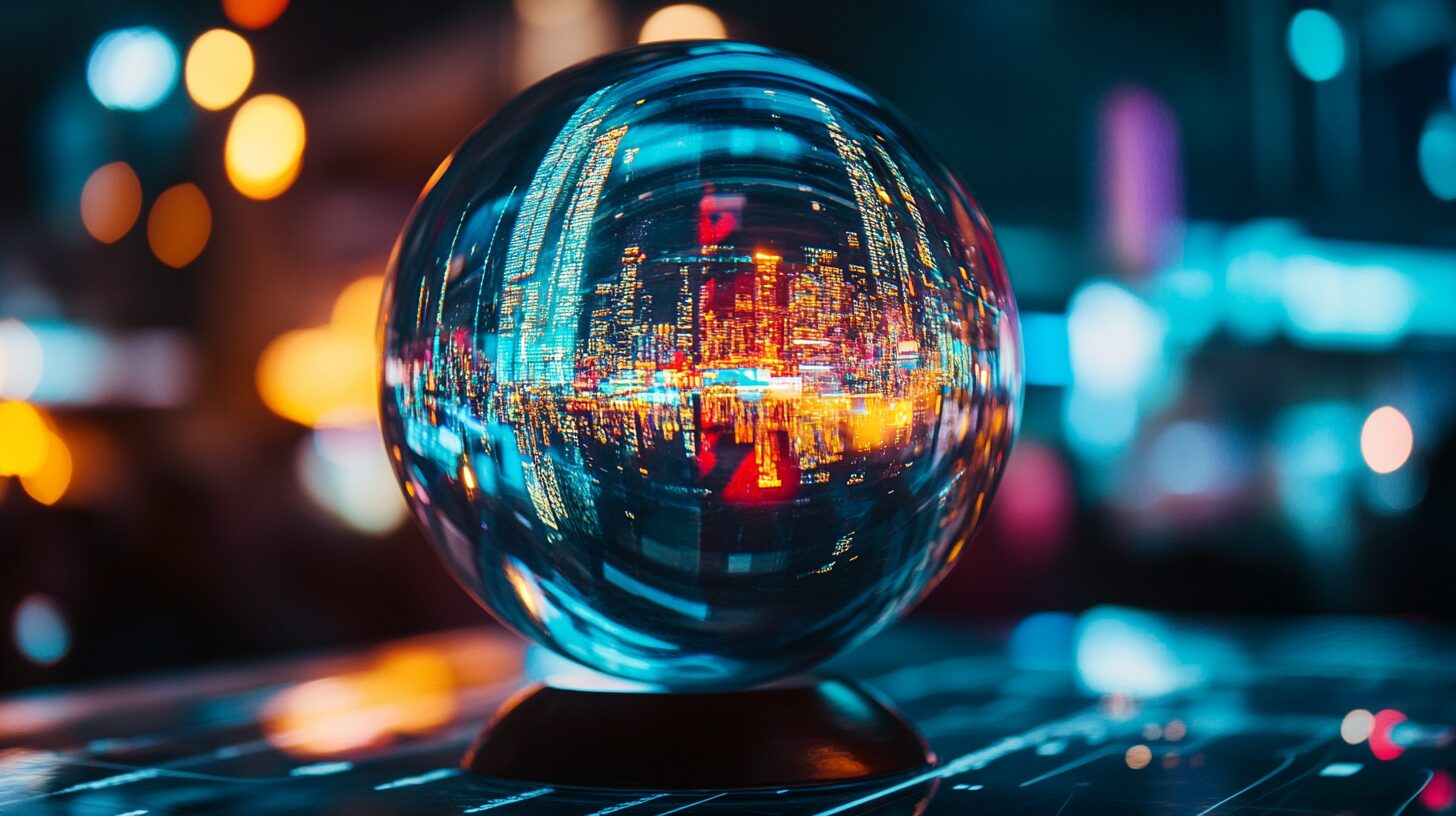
(1111, 712)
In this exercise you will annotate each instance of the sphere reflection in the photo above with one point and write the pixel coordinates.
(697, 367)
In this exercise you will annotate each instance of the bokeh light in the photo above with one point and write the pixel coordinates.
(48, 482)
(1035, 502)
(179, 225)
(21, 360)
(1316, 45)
(682, 21)
(253, 14)
(24, 437)
(325, 375)
(406, 690)
(132, 68)
(1439, 794)
(264, 149)
(1127, 652)
(1437, 155)
(1386, 440)
(1043, 641)
(553, 13)
(40, 630)
(219, 68)
(357, 307)
(111, 202)
(1355, 727)
(1140, 186)
(1382, 728)
(311, 376)
(1138, 757)
(347, 473)
(1116, 339)
(1395, 493)
(1190, 458)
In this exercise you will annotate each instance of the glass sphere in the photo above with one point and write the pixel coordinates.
(698, 366)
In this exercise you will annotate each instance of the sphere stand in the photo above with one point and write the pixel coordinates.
(816, 732)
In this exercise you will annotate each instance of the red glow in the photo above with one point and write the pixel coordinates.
(706, 458)
(718, 216)
(1440, 793)
(1381, 744)
(745, 487)
(1034, 507)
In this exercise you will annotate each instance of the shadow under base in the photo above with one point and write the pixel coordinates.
(819, 732)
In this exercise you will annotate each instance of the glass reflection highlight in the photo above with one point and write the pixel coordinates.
(697, 367)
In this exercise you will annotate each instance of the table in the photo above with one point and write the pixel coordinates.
(1115, 711)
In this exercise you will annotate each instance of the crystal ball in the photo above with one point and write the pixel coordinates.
(698, 366)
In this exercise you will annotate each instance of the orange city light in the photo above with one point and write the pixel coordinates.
(111, 202)
(325, 375)
(219, 68)
(264, 148)
(253, 14)
(683, 21)
(48, 483)
(24, 438)
(179, 225)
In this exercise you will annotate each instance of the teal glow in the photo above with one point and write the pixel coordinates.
(1044, 337)
(1316, 451)
(1188, 458)
(1115, 339)
(1270, 279)
(1437, 155)
(132, 68)
(1125, 651)
(1044, 641)
(1099, 425)
(1316, 45)
(40, 630)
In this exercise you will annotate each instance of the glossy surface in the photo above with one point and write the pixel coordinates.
(1261, 730)
(697, 367)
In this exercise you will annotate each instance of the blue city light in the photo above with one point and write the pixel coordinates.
(1437, 155)
(1316, 450)
(1044, 339)
(1044, 641)
(1319, 292)
(132, 68)
(77, 362)
(1100, 425)
(1188, 458)
(1116, 339)
(1324, 299)
(1316, 45)
(40, 630)
(1124, 651)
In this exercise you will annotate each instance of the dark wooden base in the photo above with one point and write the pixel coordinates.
(819, 732)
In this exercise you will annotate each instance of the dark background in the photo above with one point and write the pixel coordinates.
(1223, 265)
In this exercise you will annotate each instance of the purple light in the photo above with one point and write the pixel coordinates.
(1141, 180)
